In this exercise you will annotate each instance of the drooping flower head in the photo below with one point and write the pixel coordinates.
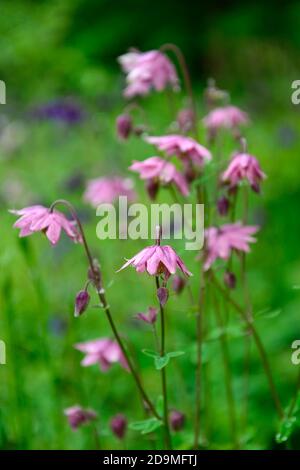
(157, 260)
(227, 117)
(107, 190)
(118, 425)
(146, 71)
(156, 170)
(42, 219)
(103, 351)
(149, 317)
(221, 241)
(183, 147)
(243, 166)
(77, 416)
(124, 126)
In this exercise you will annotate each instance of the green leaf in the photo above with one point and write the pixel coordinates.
(146, 426)
(286, 428)
(266, 313)
(159, 405)
(161, 362)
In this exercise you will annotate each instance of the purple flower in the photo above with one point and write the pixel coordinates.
(220, 242)
(41, 219)
(243, 166)
(146, 71)
(107, 190)
(157, 260)
(63, 110)
(81, 302)
(177, 420)
(77, 416)
(228, 117)
(183, 147)
(104, 352)
(149, 317)
(118, 425)
(178, 284)
(124, 126)
(156, 169)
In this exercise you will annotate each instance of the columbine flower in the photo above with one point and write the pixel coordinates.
(186, 119)
(243, 166)
(157, 170)
(41, 219)
(147, 70)
(118, 425)
(124, 126)
(220, 242)
(149, 317)
(183, 147)
(157, 260)
(228, 117)
(104, 352)
(107, 190)
(77, 416)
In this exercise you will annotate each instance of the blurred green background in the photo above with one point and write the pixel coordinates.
(51, 50)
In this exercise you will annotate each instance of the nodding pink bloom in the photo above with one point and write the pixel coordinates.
(118, 425)
(104, 352)
(149, 317)
(78, 416)
(124, 126)
(183, 147)
(146, 71)
(156, 169)
(157, 260)
(220, 242)
(107, 190)
(41, 219)
(228, 117)
(243, 166)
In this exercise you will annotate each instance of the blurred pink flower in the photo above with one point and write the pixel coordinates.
(118, 425)
(181, 146)
(107, 190)
(41, 219)
(228, 117)
(149, 317)
(157, 260)
(124, 126)
(147, 70)
(77, 416)
(243, 166)
(103, 351)
(221, 241)
(157, 169)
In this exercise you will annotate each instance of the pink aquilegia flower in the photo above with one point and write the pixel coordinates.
(149, 317)
(156, 260)
(77, 416)
(227, 117)
(41, 219)
(220, 242)
(156, 170)
(104, 352)
(107, 190)
(183, 147)
(146, 71)
(243, 166)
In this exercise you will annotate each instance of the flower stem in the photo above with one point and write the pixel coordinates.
(187, 79)
(163, 373)
(97, 278)
(258, 343)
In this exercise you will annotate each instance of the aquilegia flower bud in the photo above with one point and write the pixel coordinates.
(81, 302)
(149, 317)
(124, 126)
(177, 420)
(162, 295)
(118, 425)
(77, 416)
(178, 284)
(223, 205)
